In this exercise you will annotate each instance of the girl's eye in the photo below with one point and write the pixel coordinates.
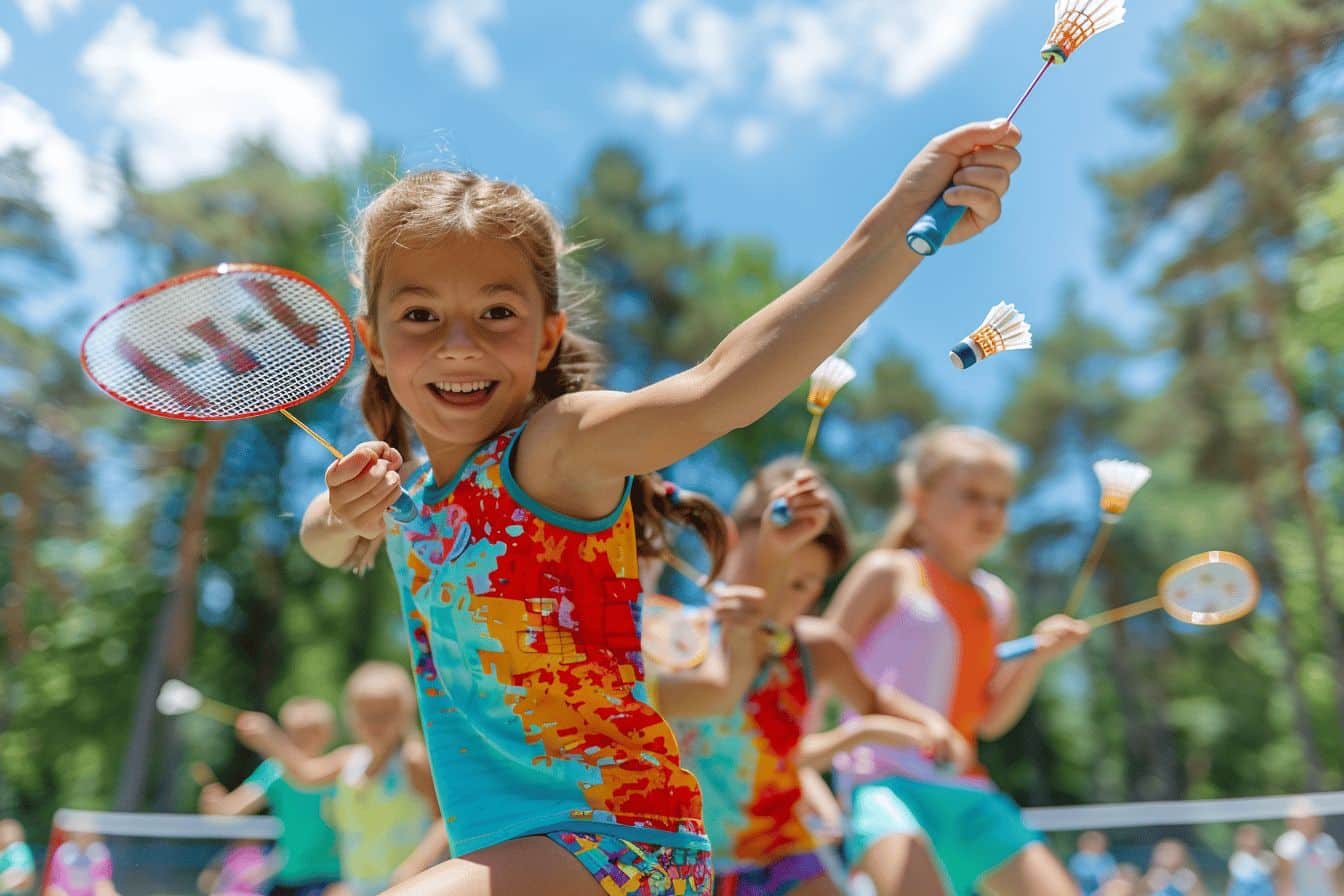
(498, 312)
(418, 315)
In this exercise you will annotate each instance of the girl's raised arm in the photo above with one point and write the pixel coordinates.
(601, 436)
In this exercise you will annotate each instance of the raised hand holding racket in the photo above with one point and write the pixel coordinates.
(229, 342)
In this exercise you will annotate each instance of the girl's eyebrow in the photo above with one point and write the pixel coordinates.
(499, 286)
(410, 289)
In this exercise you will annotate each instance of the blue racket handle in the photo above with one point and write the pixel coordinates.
(1011, 650)
(927, 236)
(404, 510)
(780, 514)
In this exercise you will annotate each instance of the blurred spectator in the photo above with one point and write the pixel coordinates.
(17, 871)
(1310, 857)
(1092, 865)
(1251, 868)
(1170, 872)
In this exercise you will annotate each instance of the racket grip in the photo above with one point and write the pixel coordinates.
(927, 235)
(404, 511)
(1011, 650)
(780, 514)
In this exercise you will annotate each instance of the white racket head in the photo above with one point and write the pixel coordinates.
(675, 636)
(1210, 588)
(223, 343)
(177, 698)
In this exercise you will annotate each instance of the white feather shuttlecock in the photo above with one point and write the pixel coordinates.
(1075, 22)
(1005, 329)
(827, 380)
(177, 698)
(1119, 479)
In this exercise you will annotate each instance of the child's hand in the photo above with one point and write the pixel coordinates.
(977, 160)
(362, 485)
(1058, 635)
(945, 746)
(257, 731)
(809, 512)
(212, 795)
(739, 607)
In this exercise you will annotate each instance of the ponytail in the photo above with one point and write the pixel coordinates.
(384, 416)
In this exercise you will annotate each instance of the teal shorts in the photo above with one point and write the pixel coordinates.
(972, 832)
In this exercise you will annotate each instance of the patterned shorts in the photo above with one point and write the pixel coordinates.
(779, 878)
(624, 868)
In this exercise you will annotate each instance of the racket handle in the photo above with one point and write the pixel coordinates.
(927, 235)
(404, 511)
(780, 514)
(1011, 650)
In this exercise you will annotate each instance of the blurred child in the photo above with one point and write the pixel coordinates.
(927, 619)
(1310, 857)
(1170, 872)
(383, 809)
(310, 861)
(1251, 868)
(241, 870)
(742, 725)
(1127, 881)
(1092, 865)
(82, 866)
(17, 871)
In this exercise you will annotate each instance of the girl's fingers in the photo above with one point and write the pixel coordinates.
(993, 156)
(376, 498)
(995, 180)
(983, 203)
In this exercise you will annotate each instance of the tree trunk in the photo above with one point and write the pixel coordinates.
(173, 634)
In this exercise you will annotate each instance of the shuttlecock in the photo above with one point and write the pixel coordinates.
(1120, 479)
(177, 698)
(827, 380)
(1075, 22)
(1004, 329)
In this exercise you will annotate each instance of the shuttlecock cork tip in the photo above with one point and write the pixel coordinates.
(827, 380)
(1119, 479)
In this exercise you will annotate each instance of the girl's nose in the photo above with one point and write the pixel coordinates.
(458, 343)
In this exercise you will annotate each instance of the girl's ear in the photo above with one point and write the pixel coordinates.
(552, 331)
(367, 338)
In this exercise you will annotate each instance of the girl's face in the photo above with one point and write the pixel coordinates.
(460, 330)
(379, 720)
(966, 508)
(808, 570)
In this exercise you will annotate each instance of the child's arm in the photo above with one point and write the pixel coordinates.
(869, 592)
(716, 686)
(337, 534)
(245, 799)
(433, 847)
(1014, 684)
(588, 441)
(258, 731)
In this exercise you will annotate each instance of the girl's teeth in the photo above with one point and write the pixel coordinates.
(463, 387)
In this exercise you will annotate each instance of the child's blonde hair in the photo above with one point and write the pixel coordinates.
(426, 207)
(930, 455)
(754, 497)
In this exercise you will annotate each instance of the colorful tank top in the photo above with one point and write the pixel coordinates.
(744, 761)
(937, 645)
(524, 628)
(380, 820)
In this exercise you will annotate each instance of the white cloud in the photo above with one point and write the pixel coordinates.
(275, 21)
(6, 49)
(81, 193)
(185, 102)
(41, 13)
(752, 136)
(455, 28)
(782, 59)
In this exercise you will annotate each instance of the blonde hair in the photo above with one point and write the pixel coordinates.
(930, 455)
(754, 497)
(378, 678)
(426, 207)
(298, 712)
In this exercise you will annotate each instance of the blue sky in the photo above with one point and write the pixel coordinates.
(784, 119)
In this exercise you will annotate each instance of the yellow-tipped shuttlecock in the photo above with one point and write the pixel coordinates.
(827, 380)
(1119, 479)
(1075, 22)
(1005, 329)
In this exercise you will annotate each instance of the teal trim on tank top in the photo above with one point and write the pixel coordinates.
(431, 493)
(555, 517)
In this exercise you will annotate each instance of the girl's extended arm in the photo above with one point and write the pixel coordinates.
(245, 799)
(600, 437)
(1012, 687)
(258, 731)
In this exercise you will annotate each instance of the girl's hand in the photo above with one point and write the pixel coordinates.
(1058, 635)
(257, 731)
(945, 746)
(809, 512)
(977, 160)
(361, 487)
(211, 796)
(739, 607)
